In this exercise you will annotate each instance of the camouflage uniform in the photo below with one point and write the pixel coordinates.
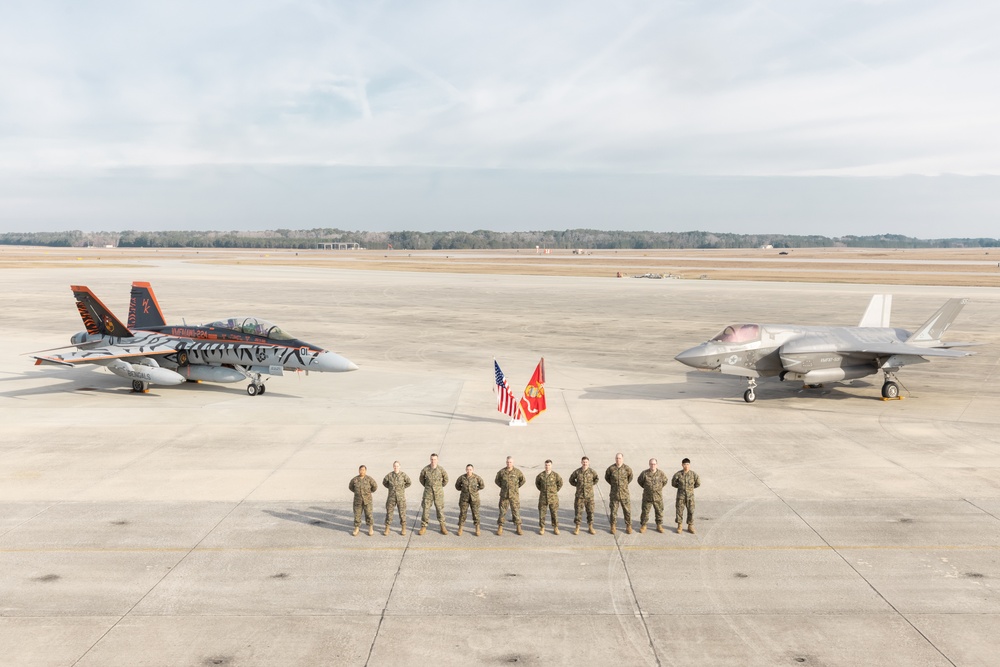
(685, 483)
(619, 478)
(434, 480)
(584, 481)
(652, 484)
(363, 488)
(397, 483)
(548, 485)
(469, 497)
(509, 482)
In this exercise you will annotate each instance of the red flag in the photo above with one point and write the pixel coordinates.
(533, 401)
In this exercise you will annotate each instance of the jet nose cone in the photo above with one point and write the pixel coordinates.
(328, 362)
(695, 357)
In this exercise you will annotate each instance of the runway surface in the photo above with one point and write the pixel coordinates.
(196, 525)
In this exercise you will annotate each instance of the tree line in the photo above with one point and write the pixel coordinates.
(483, 239)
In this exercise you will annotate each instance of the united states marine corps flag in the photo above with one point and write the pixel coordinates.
(533, 401)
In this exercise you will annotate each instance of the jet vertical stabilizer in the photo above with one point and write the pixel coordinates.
(96, 316)
(143, 308)
(932, 330)
(877, 314)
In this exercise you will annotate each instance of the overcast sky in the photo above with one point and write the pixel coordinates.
(798, 116)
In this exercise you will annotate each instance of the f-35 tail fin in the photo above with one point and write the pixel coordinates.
(930, 332)
(97, 318)
(877, 314)
(143, 308)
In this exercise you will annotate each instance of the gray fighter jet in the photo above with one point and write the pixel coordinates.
(818, 354)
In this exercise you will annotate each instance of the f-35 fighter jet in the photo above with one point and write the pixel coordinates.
(818, 354)
(150, 351)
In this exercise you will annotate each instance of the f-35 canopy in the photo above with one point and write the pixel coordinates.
(251, 325)
(738, 333)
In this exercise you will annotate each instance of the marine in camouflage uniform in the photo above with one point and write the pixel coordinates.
(363, 487)
(548, 484)
(510, 480)
(433, 477)
(652, 482)
(469, 485)
(685, 481)
(397, 482)
(584, 479)
(619, 476)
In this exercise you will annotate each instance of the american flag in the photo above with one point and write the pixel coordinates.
(506, 403)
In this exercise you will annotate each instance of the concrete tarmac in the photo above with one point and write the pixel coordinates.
(197, 525)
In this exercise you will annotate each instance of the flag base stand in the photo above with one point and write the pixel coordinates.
(517, 422)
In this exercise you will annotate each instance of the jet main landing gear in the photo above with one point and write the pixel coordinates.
(749, 396)
(255, 388)
(140, 387)
(890, 390)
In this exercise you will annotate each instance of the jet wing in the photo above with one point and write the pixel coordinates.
(891, 349)
(96, 355)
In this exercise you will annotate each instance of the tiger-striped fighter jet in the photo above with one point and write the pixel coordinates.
(150, 351)
(818, 354)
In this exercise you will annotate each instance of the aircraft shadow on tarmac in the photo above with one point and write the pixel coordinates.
(724, 389)
(101, 383)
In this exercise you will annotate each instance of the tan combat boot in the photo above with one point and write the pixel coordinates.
(499, 530)
(459, 531)
(642, 528)
(477, 531)
(519, 529)
(541, 530)
(423, 529)
(386, 531)
(576, 531)
(590, 529)
(555, 529)
(691, 528)
(355, 533)
(444, 529)
(659, 527)
(402, 529)
(614, 529)
(628, 528)
(371, 530)
(679, 528)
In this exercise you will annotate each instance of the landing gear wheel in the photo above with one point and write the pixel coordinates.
(261, 388)
(890, 390)
(749, 396)
(139, 387)
(252, 389)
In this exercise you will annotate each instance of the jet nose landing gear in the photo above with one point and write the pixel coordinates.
(255, 388)
(749, 396)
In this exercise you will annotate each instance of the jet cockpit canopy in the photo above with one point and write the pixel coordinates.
(738, 333)
(252, 325)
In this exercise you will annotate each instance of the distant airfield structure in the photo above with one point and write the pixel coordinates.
(339, 246)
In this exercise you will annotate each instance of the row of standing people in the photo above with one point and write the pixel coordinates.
(548, 482)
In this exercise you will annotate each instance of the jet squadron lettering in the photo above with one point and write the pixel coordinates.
(814, 355)
(149, 351)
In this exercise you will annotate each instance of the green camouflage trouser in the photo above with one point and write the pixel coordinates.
(582, 503)
(463, 508)
(553, 511)
(685, 500)
(626, 509)
(367, 507)
(515, 510)
(392, 504)
(435, 497)
(657, 505)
